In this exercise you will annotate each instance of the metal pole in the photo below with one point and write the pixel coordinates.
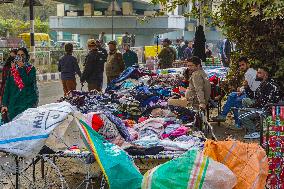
(17, 172)
(112, 14)
(32, 30)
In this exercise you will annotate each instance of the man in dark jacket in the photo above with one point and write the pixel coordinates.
(68, 66)
(102, 51)
(130, 58)
(267, 92)
(94, 68)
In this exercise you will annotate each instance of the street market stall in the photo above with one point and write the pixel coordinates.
(104, 130)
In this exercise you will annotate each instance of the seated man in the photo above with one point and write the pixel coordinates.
(199, 89)
(235, 98)
(267, 92)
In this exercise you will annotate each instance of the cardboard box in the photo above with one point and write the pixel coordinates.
(127, 8)
(149, 13)
(88, 9)
(72, 13)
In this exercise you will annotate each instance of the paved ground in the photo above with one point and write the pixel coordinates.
(51, 91)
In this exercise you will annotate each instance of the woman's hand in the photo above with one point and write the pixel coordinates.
(20, 64)
(4, 109)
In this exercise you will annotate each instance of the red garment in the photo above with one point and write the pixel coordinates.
(97, 122)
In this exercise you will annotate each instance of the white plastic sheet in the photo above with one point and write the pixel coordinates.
(28, 132)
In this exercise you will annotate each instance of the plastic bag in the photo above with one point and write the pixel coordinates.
(118, 168)
(247, 161)
(190, 171)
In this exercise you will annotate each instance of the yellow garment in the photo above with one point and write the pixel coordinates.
(152, 51)
(247, 161)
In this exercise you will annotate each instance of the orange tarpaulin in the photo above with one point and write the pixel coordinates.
(247, 161)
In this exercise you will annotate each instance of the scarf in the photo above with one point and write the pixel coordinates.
(17, 76)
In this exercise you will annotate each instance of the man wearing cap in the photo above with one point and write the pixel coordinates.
(94, 68)
(199, 88)
(167, 55)
(115, 65)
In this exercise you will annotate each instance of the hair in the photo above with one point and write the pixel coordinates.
(195, 60)
(14, 51)
(68, 48)
(266, 69)
(27, 56)
(243, 58)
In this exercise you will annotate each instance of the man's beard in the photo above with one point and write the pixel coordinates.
(259, 79)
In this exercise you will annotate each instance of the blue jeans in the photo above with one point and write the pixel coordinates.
(233, 101)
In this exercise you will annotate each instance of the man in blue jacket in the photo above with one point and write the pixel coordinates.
(130, 58)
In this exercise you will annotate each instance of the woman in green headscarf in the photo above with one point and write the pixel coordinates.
(21, 90)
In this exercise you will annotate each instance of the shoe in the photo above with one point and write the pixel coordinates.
(219, 118)
(254, 135)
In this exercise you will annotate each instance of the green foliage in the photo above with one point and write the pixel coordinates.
(17, 11)
(255, 26)
(14, 27)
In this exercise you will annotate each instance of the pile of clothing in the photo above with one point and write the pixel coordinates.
(134, 114)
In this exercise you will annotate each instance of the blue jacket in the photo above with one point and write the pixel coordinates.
(68, 66)
(130, 58)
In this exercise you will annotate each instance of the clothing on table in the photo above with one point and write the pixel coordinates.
(152, 126)
(109, 130)
(130, 58)
(69, 85)
(110, 78)
(199, 89)
(21, 90)
(68, 66)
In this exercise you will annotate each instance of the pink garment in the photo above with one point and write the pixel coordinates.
(182, 130)
(141, 119)
(133, 134)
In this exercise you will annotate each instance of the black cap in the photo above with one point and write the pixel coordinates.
(167, 40)
(112, 42)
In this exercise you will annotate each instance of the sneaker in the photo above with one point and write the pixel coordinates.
(254, 135)
(219, 118)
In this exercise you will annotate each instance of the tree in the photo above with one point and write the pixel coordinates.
(17, 11)
(199, 44)
(13, 27)
(255, 26)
